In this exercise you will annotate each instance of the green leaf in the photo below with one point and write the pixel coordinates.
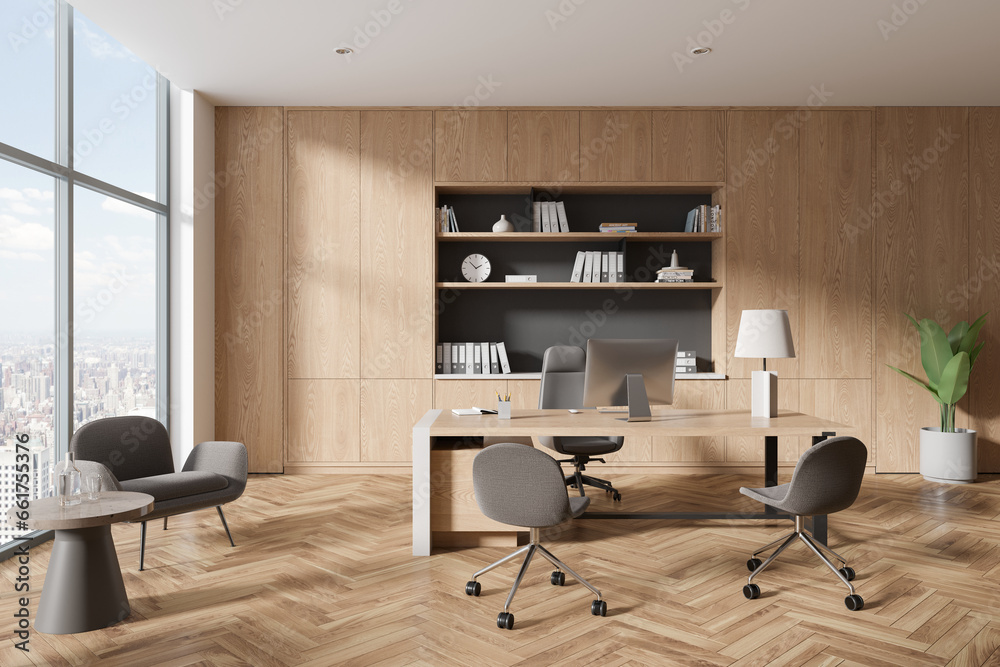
(935, 352)
(917, 381)
(975, 353)
(954, 379)
(970, 336)
(956, 335)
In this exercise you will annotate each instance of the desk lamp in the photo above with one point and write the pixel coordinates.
(765, 334)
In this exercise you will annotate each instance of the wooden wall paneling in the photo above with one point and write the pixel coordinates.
(470, 145)
(689, 146)
(324, 421)
(467, 393)
(397, 236)
(751, 450)
(524, 394)
(922, 253)
(844, 401)
(762, 226)
(249, 298)
(689, 395)
(389, 409)
(324, 239)
(984, 233)
(615, 145)
(543, 145)
(836, 261)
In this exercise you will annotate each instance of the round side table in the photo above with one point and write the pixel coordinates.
(83, 587)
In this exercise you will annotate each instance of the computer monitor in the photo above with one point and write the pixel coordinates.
(632, 372)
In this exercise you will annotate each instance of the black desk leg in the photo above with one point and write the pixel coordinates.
(770, 466)
(819, 523)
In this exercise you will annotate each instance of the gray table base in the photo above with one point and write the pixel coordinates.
(83, 587)
(816, 525)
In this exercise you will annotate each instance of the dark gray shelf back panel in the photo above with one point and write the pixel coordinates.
(529, 321)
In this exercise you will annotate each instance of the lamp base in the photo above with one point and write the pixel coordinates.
(763, 394)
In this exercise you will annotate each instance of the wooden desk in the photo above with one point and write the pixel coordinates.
(442, 423)
(83, 587)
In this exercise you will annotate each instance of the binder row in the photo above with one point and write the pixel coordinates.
(471, 359)
(594, 266)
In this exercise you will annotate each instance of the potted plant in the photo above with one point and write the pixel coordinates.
(947, 454)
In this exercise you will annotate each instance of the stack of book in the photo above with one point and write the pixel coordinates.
(446, 219)
(471, 359)
(594, 266)
(617, 227)
(549, 216)
(704, 219)
(686, 362)
(675, 274)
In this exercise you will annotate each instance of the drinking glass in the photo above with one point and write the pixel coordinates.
(91, 485)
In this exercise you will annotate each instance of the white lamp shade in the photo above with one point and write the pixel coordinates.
(765, 334)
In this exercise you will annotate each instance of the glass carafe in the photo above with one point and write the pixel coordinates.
(68, 481)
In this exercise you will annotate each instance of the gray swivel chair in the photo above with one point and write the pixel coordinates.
(563, 369)
(136, 453)
(827, 479)
(521, 486)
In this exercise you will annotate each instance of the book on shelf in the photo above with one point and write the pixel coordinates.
(715, 219)
(439, 359)
(577, 274)
(561, 215)
(452, 220)
(494, 360)
(617, 227)
(502, 356)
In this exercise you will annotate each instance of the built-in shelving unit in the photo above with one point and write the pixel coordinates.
(566, 285)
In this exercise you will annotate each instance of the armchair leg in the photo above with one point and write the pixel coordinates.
(164, 523)
(224, 525)
(142, 545)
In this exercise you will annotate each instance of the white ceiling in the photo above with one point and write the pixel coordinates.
(566, 52)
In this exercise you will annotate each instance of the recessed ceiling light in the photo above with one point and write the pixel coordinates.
(700, 51)
(344, 51)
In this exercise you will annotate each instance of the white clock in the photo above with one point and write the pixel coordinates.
(476, 268)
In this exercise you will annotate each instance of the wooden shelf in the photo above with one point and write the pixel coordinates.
(538, 376)
(610, 237)
(581, 187)
(647, 285)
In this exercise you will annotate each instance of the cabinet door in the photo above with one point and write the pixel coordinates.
(614, 145)
(689, 146)
(389, 409)
(324, 239)
(544, 145)
(762, 227)
(470, 145)
(323, 421)
(249, 297)
(397, 250)
(921, 251)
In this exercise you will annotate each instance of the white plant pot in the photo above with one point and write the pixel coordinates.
(948, 457)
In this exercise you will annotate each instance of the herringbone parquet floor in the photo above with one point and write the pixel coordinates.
(322, 575)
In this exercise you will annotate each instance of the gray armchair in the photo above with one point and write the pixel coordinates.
(563, 368)
(135, 451)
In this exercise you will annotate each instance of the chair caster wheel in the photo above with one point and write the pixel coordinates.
(599, 608)
(854, 602)
(617, 496)
(505, 621)
(753, 564)
(557, 578)
(751, 591)
(473, 588)
(848, 573)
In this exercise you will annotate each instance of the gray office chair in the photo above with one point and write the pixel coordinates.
(563, 369)
(521, 486)
(136, 453)
(826, 480)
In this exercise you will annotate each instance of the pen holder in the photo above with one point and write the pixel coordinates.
(503, 409)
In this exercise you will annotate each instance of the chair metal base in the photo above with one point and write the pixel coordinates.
(800, 533)
(578, 480)
(142, 536)
(530, 549)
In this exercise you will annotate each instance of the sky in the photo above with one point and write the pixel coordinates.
(114, 140)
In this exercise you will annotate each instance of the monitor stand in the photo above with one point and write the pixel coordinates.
(638, 403)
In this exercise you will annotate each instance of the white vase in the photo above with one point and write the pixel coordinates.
(503, 225)
(948, 457)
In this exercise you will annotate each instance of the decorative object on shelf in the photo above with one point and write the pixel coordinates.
(476, 268)
(503, 225)
(675, 273)
(766, 334)
(68, 481)
(675, 262)
(947, 454)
